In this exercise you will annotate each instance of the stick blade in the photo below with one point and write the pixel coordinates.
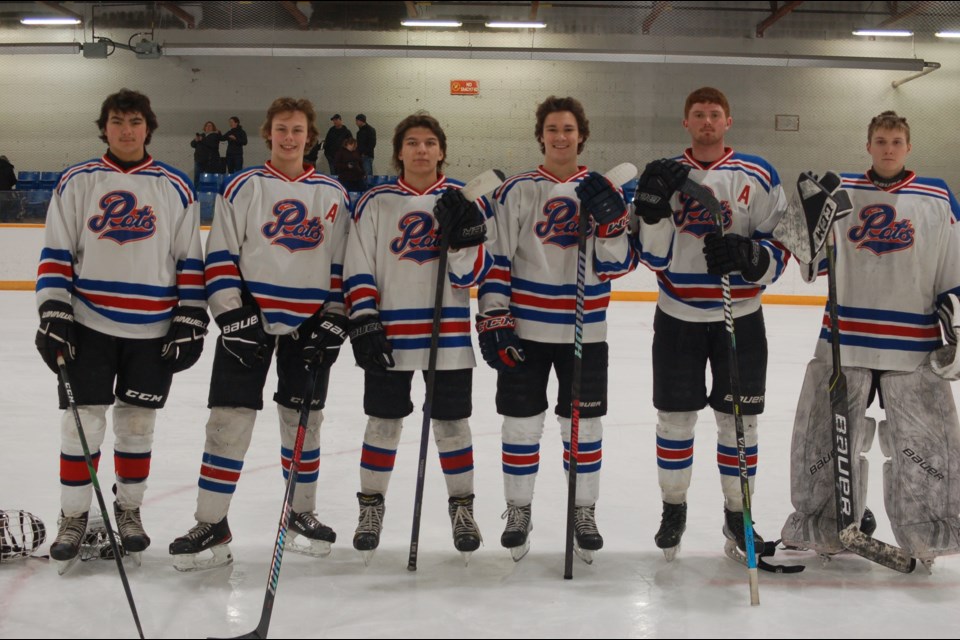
(875, 550)
(483, 184)
(621, 174)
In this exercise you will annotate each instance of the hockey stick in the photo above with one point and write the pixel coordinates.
(851, 537)
(478, 186)
(703, 195)
(617, 176)
(273, 577)
(117, 555)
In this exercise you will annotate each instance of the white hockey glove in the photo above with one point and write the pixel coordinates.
(944, 361)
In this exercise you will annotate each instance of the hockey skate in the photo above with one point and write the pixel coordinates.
(66, 548)
(318, 536)
(466, 533)
(736, 544)
(586, 537)
(206, 536)
(130, 528)
(366, 539)
(516, 535)
(673, 523)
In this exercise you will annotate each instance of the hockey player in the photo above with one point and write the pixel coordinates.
(390, 276)
(527, 314)
(689, 330)
(901, 237)
(273, 274)
(120, 295)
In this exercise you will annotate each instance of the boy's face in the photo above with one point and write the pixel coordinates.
(889, 149)
(561, 138)
(420, 153)
(288, 136)
(707, 123)
(126, 135)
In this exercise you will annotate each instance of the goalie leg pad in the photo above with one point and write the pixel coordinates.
(675, 453)
(521, 457)
(455, 446)
(813, 524)
(589, 458)
(76, 490)
(921, 480)
(133, 427)
(728, 456)
(305, 496)
(380, 441)
(229, 430)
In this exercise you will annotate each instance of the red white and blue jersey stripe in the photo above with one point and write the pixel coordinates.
(283, 241)
(898, 255)
(752, 200)
(535, 260)
(391, 269)
(123, 247)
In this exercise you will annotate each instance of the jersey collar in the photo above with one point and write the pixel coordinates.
(116, 166)
(907, 179)
(308, 170)
(581, 172)
(688, 156)
(436, 185)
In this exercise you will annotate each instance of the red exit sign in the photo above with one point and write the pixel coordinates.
(464, 87)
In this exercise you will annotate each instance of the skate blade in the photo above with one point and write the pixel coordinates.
(64, 566)
(137, 559)
(670, 553)
(466, 557)
(187, 562)
(517, 553)
(367, 556)
(315, 548)
(928, 565)
(584, 554)
(733, 552)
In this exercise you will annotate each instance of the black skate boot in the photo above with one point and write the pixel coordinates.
(673, 523)
(206, 536)
(130, 528)
(366, 539)
(516, 535)
(586, 537)
(868, 523)
(66, 548)
(320, 536)
(736, 545)
(466, 533)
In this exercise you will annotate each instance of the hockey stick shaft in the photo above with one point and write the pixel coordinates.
(117, 555)
(708, 200)
(478, 186)
(273, 578)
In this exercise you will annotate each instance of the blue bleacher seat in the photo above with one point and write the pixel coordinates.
(208, 201)
(208, 183)
(28, 180)
(49, 179)
(629, 190)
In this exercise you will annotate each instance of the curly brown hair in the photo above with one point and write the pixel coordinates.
(554, 104)
(127, 101)
(285, 105)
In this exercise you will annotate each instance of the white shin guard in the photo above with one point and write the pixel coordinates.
(454, 437)
(133, 427)
(305, 495)
(93, 418)
(674, 458)
(519, 479)
(589, 458)
(229, 430)
(383, 434)
(730, 476)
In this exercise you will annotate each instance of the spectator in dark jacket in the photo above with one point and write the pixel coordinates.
(8, 177)
(334, 140)
(236, 139)
(366, 142)
(349, 167)
(206, 151)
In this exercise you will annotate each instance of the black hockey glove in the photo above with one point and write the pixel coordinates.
(56, 333)
(732, 252)
(371, 348)
(499, 343)
(323, 333)
(242, 335)
(183, 343)
(461, 218)
(657, 184)
(600, 199)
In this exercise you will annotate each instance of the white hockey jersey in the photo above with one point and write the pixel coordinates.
(283, 241)
(535, 260)
(123, 247)
(391, 269)
(753, 202)
(898, 255)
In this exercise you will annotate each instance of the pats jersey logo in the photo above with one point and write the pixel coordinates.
(292, 229)
(881, 232)
(121, 220)
(418, 240)
(560, 225)
(695, 219)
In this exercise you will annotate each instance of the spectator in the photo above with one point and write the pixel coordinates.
(8, 177)
(236, 139)
(311, 157)
(366, 142)
(206, 151)
(349, 166)
(334, 140)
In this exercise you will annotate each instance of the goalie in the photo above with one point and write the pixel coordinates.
(897, 266)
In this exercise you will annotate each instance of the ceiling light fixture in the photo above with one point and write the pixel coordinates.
(883, 33)
(50, 20)
(432, 23)
(516, 25)
(947, 34)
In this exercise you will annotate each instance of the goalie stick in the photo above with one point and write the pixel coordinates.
(617, 176)
(706, 198)
(478, 186)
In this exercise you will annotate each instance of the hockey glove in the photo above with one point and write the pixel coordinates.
(944, 361)
(371, 348)
(242, 335)
(601, 201)
(499, 343)
(57, 333)
(657, 184)
(731, 252)
(183, 343)
(461, 218)
(323, 335)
